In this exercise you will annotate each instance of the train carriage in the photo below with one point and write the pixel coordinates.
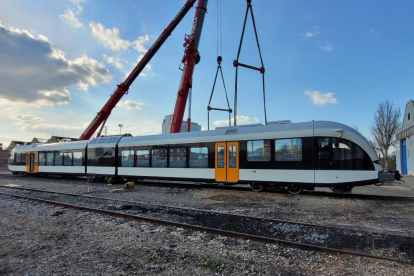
(292, 155)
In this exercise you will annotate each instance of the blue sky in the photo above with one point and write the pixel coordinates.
(324, 60)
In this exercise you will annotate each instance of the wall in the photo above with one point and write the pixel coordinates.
(3, 159)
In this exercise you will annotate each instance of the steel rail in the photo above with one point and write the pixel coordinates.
(197, 228)
(192, 209)
(211, 185)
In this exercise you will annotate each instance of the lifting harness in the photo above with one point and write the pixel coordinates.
(236, 63)
(209, 108)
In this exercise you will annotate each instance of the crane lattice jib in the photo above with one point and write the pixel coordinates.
(190, 59)
(123, 88)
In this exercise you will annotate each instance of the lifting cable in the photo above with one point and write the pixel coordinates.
(219, 60)
(236, 63)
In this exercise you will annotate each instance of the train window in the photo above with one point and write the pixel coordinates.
(58, 158)
(220, 157)
(159, 158)
(258, 150)
(127, 157)
(77, 158)
(345, 150)
(12, 158)
(90, 157)
(232, 157)
(17, 158)
(323, 143)
(49, 158)
(104, 157)
(178, 158)
(67, 159)
(323, 149)
(289, 149)
(42, 158)
(142, 157)
(199, 157)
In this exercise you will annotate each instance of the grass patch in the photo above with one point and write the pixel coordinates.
(215, 264)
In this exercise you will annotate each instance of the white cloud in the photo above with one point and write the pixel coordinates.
(310, 34)
(241, 120)
(130, 104)
(77, 4)
(138, 44)
(33, 72)
(50, 128)
(319, 98)
(27, 119)
(116, 61)
(93, 70)
(52, 97)
(110, 39)
(70, 19)
(82, 86)
(327, 47)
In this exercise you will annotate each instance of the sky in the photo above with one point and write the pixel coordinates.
(325, 60)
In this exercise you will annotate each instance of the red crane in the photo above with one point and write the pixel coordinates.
(190, 59)
(103, 114)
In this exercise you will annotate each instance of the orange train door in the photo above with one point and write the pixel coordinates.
(27, 161)
(227, 161)
(32, 162)
(36, 162)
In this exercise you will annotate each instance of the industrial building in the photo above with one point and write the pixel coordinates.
(166, 125)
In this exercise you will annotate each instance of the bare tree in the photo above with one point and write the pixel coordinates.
(386, 124)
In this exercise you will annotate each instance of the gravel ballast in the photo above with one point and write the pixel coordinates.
(38, 239)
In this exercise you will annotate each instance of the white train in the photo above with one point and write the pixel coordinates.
(295, 156)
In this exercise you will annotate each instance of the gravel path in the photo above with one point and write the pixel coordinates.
(37, 239)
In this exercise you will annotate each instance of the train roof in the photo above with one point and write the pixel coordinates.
(280, 129)
(52, 146)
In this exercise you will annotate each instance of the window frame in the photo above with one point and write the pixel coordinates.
(149, 159)
(264, 146)
(81, 158)
(162, 151)
(53, 158)
(177, 150)
(131, 157)
(205, 160)
(285, 160)
(61, 158)
(65, 154)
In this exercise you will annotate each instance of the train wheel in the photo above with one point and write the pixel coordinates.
(294, 189)
(256, 188)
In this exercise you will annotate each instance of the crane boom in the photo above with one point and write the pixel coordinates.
(123, 88)
(190, 59)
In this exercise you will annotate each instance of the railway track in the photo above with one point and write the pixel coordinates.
(304, 236)
(166, 184)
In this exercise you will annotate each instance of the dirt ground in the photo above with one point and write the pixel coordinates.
(36, 239)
